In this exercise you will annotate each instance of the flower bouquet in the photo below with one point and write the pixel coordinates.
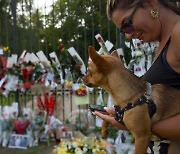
(77, 59)
(68, 80)
(6, 125)
(81, 91)
(81, 94)
(21, 125)
(86, 145)
(68, 84)
(105, 46)
(26, 72)
(38, 124)
(5, 51)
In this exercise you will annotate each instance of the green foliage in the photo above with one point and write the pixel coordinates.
(127, 54)
(72, 22)
(112, 132)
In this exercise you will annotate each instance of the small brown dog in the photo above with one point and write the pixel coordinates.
(108, 72)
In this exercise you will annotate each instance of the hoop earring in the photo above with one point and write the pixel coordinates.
(154, 14)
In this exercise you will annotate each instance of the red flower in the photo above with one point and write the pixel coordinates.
(81, 91)
(100, 39)
(27, 85)
(121, 56)
(40, 104)
(61, 47)
(138, 44)
(3, 61)
(138, 69)
(26, 73)
(39, 80)
(2, 73)
(48, 104)
(2, 87)
(51, 105)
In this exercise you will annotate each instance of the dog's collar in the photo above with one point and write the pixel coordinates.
(119, 112)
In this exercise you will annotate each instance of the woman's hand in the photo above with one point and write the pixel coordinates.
(110, 118)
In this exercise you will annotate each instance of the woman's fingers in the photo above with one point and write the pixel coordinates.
(105, 117)
(110, 118)
(110, 110)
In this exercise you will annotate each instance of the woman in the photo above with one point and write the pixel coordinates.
(149, 21)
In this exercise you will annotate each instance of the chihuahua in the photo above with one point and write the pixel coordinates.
(129, 94)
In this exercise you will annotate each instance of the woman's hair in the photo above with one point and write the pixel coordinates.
(112, 5)
(171, 4)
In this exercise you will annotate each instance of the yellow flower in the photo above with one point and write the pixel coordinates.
(91, 143)
(6, 49)
(100, 152)
(61, 151)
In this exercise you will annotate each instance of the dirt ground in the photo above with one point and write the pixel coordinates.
(41, 149)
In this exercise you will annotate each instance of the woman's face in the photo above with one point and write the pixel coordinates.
(146, 28)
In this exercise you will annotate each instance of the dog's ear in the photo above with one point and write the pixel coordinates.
(97, 59)
(115, 54)
(93, 54)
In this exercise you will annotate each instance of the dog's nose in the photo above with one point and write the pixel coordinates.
(85, 81)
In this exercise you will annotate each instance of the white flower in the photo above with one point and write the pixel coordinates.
(75, 144)
(85, 149)
(78, 151)
(97, 149)
(68, 145)
(138, 53)
(66, 149)
(93, 150)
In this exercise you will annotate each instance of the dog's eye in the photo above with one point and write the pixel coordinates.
(89, 72)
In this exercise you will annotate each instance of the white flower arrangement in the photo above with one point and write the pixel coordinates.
(87, 145)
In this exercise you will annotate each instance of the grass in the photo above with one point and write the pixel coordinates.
(42, 148)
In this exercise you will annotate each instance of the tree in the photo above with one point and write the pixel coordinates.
(71, 22)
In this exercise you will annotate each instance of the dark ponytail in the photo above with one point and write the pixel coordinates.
(171, 4)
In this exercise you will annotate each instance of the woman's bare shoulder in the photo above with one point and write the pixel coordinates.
(175, 39)
(173, 55)
(175, 35)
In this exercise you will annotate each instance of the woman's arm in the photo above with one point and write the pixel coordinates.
(168, 128)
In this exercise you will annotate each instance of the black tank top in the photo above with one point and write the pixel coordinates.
(161, 71)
